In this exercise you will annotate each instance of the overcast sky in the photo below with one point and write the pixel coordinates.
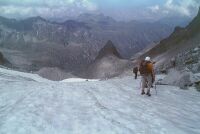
(118, 9)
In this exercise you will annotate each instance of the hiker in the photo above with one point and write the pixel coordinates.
(147, 73)
(173, 62)
(135, 71)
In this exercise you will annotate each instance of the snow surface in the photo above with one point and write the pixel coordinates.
(10, 75)
(30, 104)
(79, 80)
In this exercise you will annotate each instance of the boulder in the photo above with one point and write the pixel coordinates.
(1, 59)
(197, 85)
(195, 68)
(53, 73)
(182, 79)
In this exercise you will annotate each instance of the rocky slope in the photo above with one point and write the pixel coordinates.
(180, 51)
(182, 45)
(181, 39)
(4, 61)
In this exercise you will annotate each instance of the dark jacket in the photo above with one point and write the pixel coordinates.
(135, 69)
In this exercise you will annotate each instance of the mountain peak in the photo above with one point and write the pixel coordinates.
(97, 18)
(108, 49)
(198, 14)
(194, 26)
(34, 19)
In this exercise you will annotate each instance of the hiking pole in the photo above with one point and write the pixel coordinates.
(140, 85)
(156, 89)
(150, 88)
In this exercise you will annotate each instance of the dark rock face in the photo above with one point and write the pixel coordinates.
(107, 64)
(4, 61)
(1, 59)
(108, 49)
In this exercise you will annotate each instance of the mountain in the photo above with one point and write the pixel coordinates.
(178, 39)
(21, 25)
(96, 19)
(24, 42)
(107, 64)
(182, 45)
(34, 43)
(108, 49)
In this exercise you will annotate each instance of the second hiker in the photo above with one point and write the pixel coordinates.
(135, 71)
(147, 73)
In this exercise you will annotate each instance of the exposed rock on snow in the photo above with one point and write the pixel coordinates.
(4, 61)
(54, 73)
(1, 58)
(182, 79)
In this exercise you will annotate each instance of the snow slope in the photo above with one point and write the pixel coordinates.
(32, 105)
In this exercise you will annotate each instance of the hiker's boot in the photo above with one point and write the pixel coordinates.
(148, 93)
(142, 93)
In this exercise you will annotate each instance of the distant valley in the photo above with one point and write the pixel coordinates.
(36, 43)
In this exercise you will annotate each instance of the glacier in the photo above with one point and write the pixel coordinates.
(30, 104)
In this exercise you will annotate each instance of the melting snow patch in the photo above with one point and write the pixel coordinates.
(79, 80)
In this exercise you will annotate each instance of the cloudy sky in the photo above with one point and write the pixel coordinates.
(118, 9)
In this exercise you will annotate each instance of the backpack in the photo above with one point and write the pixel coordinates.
(135, 69)
(144, 68)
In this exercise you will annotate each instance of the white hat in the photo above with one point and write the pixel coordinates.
(147, 59)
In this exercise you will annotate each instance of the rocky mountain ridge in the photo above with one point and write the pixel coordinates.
(72, 44)
(179, 40)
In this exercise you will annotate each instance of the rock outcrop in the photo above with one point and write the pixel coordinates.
(108, 63)
(1, 59)
(182, 79)
(54, 74)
